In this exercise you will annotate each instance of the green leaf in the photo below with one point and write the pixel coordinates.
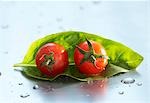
(73, 72)
(122, 58)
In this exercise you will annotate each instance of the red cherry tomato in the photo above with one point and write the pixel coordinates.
(90, 58)
(52, 59)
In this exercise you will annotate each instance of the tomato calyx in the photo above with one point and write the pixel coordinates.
(48, 60)
(90, 55)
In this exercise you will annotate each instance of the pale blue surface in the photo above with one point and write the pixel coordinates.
(23, 22)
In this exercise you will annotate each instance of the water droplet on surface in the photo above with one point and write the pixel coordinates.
(39, 26)
(81, 86)
(20, 83)
(61, 28)
(96, 2)
(121, 92)
(128, 80)
(35, 87)
(4, 26)
(59, 19)
(24, 95)
(87, 95)
(89, 81)
(139, 84)
(0, 73)
(6, 52)
(81, 8)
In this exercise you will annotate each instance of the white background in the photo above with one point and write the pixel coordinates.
(23, 22)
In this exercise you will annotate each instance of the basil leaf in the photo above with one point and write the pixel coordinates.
(73, 72)
(122, 58)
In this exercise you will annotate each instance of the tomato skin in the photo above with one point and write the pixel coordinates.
(60, 56)
(87, 67)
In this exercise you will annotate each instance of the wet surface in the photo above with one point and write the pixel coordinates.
(22, 23)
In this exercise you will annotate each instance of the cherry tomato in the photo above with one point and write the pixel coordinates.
(52, 59)
(90, 58)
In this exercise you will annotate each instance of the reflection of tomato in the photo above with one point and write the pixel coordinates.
(98, 87)
(90, 58)
(52, 59)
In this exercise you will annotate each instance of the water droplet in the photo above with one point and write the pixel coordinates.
(87, 95)
(59, 19)
(5, 26)
(6, 52)
(81, 86)
(96, 2)
(24, 95)
(139, 84)
(121, 92)
(0, 73)
(128, 80)
(89, 80)
(61, 28)
(35, 87)
(20, 83)
(81, 8)
(39, 26)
